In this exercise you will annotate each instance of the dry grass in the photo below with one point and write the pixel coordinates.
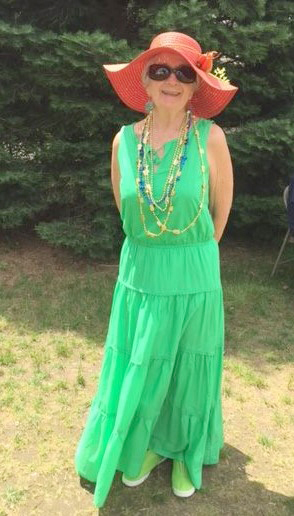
(53, 319)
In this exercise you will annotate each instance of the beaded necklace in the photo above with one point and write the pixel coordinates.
(178, 161)
(146, 171)
(145, 178)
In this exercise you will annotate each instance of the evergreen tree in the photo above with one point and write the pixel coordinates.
(56, 129)
(59, 114)
(119, 18)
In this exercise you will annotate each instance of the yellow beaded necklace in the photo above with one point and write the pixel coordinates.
(169, 206)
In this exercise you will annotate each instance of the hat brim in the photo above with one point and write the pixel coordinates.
(210, 98)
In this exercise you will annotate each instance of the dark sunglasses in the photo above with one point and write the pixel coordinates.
(160, 72)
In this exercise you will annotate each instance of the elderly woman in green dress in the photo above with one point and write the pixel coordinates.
(159, 392)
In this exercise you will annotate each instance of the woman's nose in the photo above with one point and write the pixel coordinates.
(172, 78)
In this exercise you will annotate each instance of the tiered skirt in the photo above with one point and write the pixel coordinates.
(159, 387)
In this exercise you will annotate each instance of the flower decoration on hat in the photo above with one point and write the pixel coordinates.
(205, 61)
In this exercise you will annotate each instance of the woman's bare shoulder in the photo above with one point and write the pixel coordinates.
(115, 141)
(216, 136)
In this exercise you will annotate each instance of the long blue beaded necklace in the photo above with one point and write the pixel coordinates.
(146, 172)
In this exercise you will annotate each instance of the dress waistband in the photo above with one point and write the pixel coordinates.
(175, 246)
(169, 270)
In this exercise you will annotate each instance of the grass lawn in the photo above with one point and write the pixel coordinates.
(54, 312)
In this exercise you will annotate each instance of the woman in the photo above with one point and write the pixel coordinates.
(159, 392)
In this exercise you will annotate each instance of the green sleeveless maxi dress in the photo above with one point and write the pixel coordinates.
(160, 381)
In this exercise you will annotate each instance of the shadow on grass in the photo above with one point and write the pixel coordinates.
(226, 490)
(77, 297)
(258, 309)
(74, 302)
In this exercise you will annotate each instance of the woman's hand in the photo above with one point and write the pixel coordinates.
(221, 179)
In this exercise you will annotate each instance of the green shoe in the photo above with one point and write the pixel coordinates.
(181, 483)
(150, 461)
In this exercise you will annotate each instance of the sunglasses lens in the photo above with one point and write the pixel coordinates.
(158, 72)
(186, 74)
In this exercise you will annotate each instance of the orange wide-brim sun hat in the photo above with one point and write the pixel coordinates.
(212, 94)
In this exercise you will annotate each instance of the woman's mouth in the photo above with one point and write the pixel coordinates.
(171, 93)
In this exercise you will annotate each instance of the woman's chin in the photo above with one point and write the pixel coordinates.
(171, 102)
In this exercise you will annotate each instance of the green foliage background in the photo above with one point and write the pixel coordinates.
(59, 114)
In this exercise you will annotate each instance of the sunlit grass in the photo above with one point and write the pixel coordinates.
(265, 441)
(247, 374)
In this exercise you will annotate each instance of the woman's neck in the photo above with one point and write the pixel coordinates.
(167, 121)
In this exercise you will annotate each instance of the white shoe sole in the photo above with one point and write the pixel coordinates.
(133, 483)
(184, 494)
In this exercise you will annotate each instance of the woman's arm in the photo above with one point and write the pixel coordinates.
(115, 173)
(221, 179)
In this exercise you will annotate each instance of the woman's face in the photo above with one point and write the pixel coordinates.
(170, 93)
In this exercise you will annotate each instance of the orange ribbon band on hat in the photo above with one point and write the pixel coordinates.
(205, 61)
